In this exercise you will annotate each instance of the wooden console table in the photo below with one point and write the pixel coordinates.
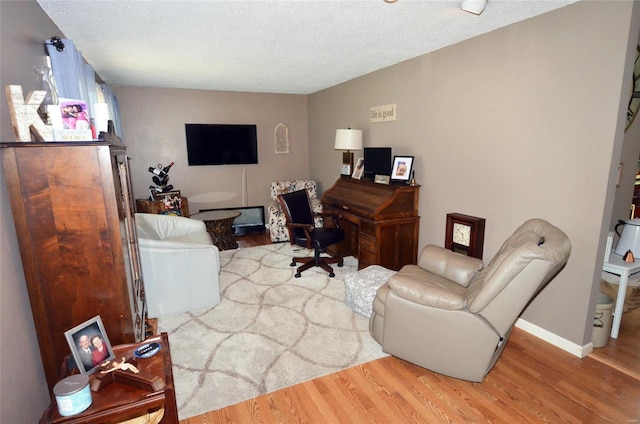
(381, 221)
(157, 206)
(119, 402)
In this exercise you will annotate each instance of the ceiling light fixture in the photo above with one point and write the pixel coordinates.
(473, 6)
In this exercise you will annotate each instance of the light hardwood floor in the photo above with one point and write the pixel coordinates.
(532, 382)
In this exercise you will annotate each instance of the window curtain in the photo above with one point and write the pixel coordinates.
(76, 79)
(114, 110)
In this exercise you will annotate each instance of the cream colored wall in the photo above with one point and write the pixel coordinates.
(23, 388)
(153, 122)
(518, 123)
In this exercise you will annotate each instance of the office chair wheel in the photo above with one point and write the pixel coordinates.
(293, 263)
(341, 263)
(297, 275)
(332, 274)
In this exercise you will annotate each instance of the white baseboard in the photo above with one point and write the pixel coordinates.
(549, 337)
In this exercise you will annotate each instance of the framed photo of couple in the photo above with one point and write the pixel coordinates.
(89, 345)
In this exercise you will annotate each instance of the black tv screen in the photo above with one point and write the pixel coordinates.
(221, 144)
(377, 160)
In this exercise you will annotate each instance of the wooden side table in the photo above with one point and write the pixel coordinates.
(157, 206)
(119, 402)
(220, 226)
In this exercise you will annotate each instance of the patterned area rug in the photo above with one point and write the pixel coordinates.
(270, 331)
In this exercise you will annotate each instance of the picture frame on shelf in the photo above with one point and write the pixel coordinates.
(359, 169)
(381, 179)
(71, 122)
(89, 345)
(172, 200)
(401, 169)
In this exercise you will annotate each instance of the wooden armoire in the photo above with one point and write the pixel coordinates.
(74, 217)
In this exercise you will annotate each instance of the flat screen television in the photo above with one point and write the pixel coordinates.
(377, 160)
(221, 144)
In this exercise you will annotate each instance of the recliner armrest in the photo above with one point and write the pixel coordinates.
(450, 265)
(426, 288)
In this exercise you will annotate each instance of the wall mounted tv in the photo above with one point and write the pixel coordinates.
(221, 144)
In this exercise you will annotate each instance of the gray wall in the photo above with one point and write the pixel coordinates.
(153, 121)
(23, 388)
(523, 122)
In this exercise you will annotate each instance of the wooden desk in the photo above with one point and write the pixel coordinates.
(119, 402)
(381, 222)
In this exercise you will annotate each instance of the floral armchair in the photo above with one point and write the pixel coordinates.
(277, 222)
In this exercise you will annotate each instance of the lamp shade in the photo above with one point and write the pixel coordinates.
(348, 139)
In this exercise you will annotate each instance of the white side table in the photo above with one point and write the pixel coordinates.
(624, 269)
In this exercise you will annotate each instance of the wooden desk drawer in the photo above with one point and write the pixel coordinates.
(367, 242)
(368, 227)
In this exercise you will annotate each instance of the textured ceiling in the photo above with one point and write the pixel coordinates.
(271, 46)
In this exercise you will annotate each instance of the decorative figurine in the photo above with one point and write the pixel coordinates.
(628, 257)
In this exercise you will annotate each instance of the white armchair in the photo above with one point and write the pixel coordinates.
(278, 230)
(180, 264)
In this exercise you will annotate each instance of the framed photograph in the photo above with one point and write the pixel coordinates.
(89, 345)
(357, 173)
(73, 114)
(401, 170)
(381, 179)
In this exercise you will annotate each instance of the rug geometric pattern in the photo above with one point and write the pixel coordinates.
(269, 331)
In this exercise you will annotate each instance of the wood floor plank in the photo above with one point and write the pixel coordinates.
(533, 382)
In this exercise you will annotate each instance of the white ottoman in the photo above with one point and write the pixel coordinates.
(360, 287)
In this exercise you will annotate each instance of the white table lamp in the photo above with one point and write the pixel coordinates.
(348, 140)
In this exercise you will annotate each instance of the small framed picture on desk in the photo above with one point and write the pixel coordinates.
(401, 170)
(357, 173)
(89, 345)
(381, 179)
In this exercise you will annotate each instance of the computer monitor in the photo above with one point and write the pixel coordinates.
(377, 160)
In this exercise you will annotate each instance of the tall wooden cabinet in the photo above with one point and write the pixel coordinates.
(74, 218)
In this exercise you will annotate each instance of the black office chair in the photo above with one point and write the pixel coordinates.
(303, 232)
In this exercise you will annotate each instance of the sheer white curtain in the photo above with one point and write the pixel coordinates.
(75, 79)
(114, 110)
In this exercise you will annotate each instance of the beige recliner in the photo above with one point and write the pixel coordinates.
(451, 316)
